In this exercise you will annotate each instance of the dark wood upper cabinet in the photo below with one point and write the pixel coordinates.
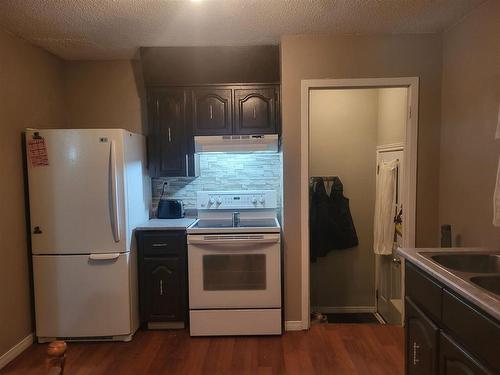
(177, 114)
(211, 111)
(167, 132)
(255, 110)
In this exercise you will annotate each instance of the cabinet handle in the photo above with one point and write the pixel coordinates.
(161, 287)
(187, 165)
(415, 353)
(254, 113)
(211, 112)
(396, 260)
(162, 244)
(169, 135)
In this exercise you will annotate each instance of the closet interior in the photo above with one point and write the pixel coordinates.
(356, 153)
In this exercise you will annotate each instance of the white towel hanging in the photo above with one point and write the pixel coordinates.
(385, 200)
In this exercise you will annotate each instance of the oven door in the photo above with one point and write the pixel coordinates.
(234, 271)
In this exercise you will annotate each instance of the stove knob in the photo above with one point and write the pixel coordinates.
(211, 201)
(254, 200)
(262, 200)
(219, 201)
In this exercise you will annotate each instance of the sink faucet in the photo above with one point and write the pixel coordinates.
(236, 219)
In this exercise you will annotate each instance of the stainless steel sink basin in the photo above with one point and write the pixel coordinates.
(490, 283)
(471, 263)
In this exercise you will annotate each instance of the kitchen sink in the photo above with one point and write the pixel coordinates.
(490, 283)
(471, 263)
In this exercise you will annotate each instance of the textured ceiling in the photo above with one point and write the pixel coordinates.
(110, 29)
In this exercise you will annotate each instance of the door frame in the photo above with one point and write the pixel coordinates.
(410, 165)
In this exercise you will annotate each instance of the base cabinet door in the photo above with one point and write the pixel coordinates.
(162, 298)
(421, 342)
(454, 360)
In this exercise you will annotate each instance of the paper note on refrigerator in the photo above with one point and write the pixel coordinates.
(496, 199)
(37, 152)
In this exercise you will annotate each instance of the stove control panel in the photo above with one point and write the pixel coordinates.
(232, 200)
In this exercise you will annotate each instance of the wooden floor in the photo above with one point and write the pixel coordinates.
(325, 349)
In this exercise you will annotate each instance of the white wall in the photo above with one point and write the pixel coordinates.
(392, 109)
(469, 152)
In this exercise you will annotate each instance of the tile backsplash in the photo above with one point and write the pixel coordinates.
(224, 171)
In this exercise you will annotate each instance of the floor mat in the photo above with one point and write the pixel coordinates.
(352, 318)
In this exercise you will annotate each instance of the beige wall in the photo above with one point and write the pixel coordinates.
(343, 139)
(31, 95)
(324, 56)
(392, 110)
(105, 94)
(470, 104)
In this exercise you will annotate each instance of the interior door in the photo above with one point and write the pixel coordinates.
(77, 197)
(388, 267)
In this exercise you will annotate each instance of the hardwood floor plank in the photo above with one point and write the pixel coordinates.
(356, 349)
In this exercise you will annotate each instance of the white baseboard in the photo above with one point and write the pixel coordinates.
(344, 309)
(294, 325)
(17, 349)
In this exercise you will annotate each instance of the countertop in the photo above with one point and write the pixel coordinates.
(484, 300)
(166, 224)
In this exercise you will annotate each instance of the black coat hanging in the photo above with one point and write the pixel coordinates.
(343, 232)
(319, 220)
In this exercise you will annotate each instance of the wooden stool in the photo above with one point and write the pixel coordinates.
(56, 356)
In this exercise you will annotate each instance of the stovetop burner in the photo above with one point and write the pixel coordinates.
(230, 212)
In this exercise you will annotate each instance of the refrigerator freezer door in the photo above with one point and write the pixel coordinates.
(79, 296)
(77, 200)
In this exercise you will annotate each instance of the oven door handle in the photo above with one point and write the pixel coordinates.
(232, 241)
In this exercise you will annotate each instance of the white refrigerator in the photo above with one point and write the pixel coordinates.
(88, 189)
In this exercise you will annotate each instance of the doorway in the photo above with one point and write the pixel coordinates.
(349, 146)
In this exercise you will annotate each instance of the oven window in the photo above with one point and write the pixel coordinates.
(234, 272)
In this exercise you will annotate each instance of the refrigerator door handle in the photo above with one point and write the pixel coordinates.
(110, 256)
(114, 195)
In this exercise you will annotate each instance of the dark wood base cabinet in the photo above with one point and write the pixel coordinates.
(454, 360)
(422, 337)
(444, 333)
(162, 278)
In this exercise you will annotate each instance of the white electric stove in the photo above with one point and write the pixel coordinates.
(234, 257)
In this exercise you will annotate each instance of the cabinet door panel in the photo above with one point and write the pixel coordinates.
(163, 299)
(211, 111)
(167, 133)
(421, 342)
(455, 361)
(255, 110)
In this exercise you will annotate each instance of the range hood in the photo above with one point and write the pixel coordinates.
(236, 143)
